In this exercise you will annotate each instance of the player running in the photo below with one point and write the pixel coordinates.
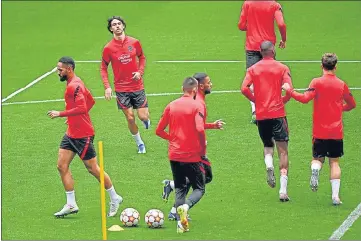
(267, 77)
(128, 62)
(78, 138)
(331, 97)
(204, 88)
(257, 19)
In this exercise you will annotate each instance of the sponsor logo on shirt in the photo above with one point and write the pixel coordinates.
(125, 58)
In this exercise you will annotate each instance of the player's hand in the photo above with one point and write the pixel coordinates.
(136, 75)
(53, 114)
(282, 45)
(219, 124)
(108, 94)
(286, 87)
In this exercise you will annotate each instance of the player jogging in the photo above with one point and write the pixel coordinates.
(184, 118)
(331, 97)
(267, 77)
(257, 19)
(78, 138)
(204, 88)
(128, 61)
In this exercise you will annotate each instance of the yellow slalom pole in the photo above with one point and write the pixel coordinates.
(102, 190)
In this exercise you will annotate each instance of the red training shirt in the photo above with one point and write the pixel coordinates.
(124, 57)
(185, 120)
(329, 94)
(78, 102)
(257, 19)
(267, 77)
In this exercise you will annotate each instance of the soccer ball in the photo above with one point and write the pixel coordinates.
(154, 218)
(129, 217)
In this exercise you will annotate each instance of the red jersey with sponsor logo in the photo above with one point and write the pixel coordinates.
(267, 77)
(185, 120)
(257, 19)
(78, 102)
(126, 58)
(329, 94)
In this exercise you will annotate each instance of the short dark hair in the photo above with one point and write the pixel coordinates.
(118, 18)
(329, 61)
(266, 48)
(68, 61)
(189, 83)
(200, 77)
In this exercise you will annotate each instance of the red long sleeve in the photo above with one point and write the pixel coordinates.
(242, 23)
(141, 58)
(247, 82)
(349, 99)
(104, 68)
(199, 119)
(162, 124)
(80, 104)
(281, 24)
(305, 97)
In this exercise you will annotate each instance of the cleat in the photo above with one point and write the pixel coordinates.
(182, 212)
(172, 216)
(167, 189)
(114, 206)
(336, 201)
(141, 149)
(314, 180)
(180, 228)
(146, 124)
(271, 180)
(67, 209)
(253, 118)
(284, 197)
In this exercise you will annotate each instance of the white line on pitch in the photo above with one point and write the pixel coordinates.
(243, 61)
(354, 215)
(152, 94)
(226, 61)
(29, 85)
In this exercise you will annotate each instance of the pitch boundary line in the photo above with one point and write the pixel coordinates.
(151, 94)
(29, 85)
(226, 61)
(351, 218)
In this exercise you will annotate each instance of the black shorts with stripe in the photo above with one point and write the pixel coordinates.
(83, 146)
(327, 148)
(273, 129)
(252, 57)
(135, 100)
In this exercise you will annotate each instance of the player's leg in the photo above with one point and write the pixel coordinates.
(335, 150)
(280, 134)
(65, 156)
(265, 132)
(180, 190)
(167, 189)
(124, 103)
(252, 57)
(319, 152)
(87, 153)
(140, 103)
(282, 149)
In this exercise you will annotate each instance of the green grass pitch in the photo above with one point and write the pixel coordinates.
(238, 203)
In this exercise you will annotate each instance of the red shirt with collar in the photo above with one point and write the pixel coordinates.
(126, 58)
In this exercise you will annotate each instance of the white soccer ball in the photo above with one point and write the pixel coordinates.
(129, 217)
(154, 218)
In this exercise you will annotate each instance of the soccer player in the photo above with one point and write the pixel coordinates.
(267, 77)
(331, 97)
(128, 61)
(204, 88)
(185, 120)
(257, 19)
(78, 138)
